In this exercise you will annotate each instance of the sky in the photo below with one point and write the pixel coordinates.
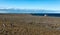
(31, 4)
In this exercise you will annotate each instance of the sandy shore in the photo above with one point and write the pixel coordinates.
(25, 24)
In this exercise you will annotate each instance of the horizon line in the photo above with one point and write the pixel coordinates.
(30, 9)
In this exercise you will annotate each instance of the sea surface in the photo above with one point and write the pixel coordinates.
(47, 14)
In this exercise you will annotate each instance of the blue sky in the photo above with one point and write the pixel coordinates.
(31, 4)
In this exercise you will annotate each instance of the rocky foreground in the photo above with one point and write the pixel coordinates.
(25, 24)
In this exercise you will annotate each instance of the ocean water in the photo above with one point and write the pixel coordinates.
(48, 14)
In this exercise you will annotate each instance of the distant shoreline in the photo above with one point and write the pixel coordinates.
(34, 14)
